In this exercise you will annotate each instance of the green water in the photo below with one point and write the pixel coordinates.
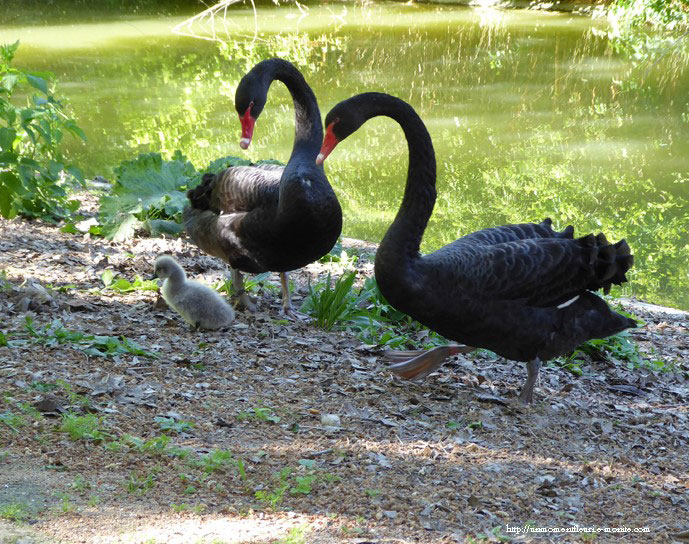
(531, 114)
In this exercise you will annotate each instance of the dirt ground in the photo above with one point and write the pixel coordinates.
(249, 457)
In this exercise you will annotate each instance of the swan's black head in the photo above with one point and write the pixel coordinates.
(249, 101)
(345, 119)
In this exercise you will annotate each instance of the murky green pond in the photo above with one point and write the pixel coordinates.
(532, 114)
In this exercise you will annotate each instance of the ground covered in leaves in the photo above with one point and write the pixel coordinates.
(119, 424)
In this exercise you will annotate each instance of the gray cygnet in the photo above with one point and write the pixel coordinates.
(199, 305)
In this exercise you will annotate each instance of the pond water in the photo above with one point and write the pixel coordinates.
(532, 114)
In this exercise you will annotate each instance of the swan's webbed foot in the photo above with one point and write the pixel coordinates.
(416, 365)
(532, 367)
(246, 302)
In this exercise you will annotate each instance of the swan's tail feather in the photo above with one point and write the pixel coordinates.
(609, 262)
(200, 196)
(416, 365)
(568, 232)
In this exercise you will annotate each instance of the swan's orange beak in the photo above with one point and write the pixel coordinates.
(329, 143)
(248, 123)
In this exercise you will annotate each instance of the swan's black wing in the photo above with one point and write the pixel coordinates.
(238, 189)
(523, 231)
(538, 271)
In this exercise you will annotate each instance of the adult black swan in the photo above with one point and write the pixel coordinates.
(522, 291)
(268, 218)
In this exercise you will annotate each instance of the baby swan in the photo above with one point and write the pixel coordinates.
(200, 306)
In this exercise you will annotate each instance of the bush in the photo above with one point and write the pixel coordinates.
(34, 179)
(149, 193)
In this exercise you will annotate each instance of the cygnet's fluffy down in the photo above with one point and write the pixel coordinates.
(200, 306)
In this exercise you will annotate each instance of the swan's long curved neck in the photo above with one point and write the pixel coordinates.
(401, 243)
(308, 127)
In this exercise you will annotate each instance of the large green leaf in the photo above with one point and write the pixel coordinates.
(9, 186)
(146, 186)
(37, 82)
(7, 137)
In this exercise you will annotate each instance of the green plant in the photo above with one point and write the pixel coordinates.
(215, 461)
(122, 285)
(331, 304)
(275, 496)
(83, 427)
(149, 193)
(80, 483)
(15, 511)
(66, 504)
(34, 179)
(260, 413)
(54, 334)
(170, 424)
(296, 535)
(140, 484)
(303, 484)
(13, 421)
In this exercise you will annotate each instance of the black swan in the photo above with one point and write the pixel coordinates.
(522, 291)
(200, 306)
(267, 217)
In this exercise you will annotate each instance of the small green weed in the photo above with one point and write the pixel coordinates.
(251, 284)
(55, 334)
(122, 285)
(80, 484)
(296, 535)
(15, 511)
(171, 425)
(139, 484)
(83, 427)
(259, 413)
(13, 421)
(184, 507)
(303, 485)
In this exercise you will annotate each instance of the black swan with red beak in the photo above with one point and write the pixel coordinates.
(523, 291)
(266, 217)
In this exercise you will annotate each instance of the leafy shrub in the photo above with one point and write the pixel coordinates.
(34, 179)
(149, 193)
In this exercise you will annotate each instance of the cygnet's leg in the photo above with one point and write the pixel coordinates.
(238, 286)
(287, 308)
(532, 367)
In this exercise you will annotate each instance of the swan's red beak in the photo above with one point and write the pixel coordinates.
(329, 143)
(248, 123)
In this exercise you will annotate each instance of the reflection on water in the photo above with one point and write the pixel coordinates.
(531, 114)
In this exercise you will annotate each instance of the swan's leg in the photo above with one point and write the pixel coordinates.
(238, 286)
(532, 367)
(287, 308)
(419, 365)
